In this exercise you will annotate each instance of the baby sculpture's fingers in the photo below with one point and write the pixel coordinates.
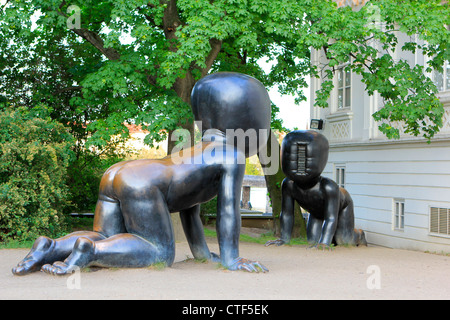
(260, 266)
(248, 265)
(277, 242)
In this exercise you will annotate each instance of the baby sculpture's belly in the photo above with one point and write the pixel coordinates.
(181, 186)
(192, 186)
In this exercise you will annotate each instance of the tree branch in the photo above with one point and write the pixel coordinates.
(4, 6)
(149, 17)
(93, 38)
(98, 43)
(72, 88)
(216, 46)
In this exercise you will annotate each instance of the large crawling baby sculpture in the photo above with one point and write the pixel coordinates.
(132, 224)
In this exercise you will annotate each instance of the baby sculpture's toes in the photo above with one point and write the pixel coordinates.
(34, 260)
(26, 266)
(58, 268)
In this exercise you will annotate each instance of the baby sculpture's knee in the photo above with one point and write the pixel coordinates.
(84, 245)
(42, 243)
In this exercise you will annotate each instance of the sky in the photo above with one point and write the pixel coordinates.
(293, 116)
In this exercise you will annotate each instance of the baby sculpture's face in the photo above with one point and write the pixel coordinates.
(235, 104)
(304, 155)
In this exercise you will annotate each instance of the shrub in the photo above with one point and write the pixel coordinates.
(84, 175)
(34, 156)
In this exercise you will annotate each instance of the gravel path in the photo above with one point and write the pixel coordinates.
(295, 273)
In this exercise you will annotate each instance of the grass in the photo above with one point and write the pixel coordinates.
(15, 244)
(158, 266)
(85, 223)
(262, 239)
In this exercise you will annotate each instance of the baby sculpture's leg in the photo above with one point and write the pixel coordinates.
(46, 250)
(108, 221)
(149, 239)
(346, 234)
(122, 250)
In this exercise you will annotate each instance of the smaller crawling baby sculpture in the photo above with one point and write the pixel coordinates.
(304, 155)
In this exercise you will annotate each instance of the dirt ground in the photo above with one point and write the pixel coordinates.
(296, 273)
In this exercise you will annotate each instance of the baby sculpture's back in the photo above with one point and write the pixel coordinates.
(185, 178)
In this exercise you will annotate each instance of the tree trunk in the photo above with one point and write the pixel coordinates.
(273, 182)
(183, 88)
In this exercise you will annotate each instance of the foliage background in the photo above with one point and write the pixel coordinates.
(35, 153)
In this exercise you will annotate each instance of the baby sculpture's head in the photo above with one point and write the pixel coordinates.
(233, 101)
(304, 155)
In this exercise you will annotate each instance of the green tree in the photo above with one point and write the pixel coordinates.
(138, 61)
(34, 156)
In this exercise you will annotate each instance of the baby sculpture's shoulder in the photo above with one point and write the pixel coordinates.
(329, 186)
(288, 186)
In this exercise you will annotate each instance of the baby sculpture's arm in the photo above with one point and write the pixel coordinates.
(228, 223)
(193, 229)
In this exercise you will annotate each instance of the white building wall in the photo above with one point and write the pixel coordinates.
(379, 170)
(377, 174)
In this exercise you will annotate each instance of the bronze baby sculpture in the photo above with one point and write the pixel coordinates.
(304, 155)
(132, 224)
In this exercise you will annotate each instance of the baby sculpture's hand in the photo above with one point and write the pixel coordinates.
(247, 265)
(277, 242)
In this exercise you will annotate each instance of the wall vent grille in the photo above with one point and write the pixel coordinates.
(440, 221)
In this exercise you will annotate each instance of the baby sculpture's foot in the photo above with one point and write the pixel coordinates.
(58, 268)
(36, 258)
(362, 238)
(82, 254)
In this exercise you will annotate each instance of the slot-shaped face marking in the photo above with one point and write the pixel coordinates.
(304, 155)
(301, 159)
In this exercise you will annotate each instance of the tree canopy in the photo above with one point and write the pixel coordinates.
(138, 60)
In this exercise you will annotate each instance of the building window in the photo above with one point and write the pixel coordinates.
(339, 175)
(344, 88)
(442, 80)
(440, 221)
(399, 214)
